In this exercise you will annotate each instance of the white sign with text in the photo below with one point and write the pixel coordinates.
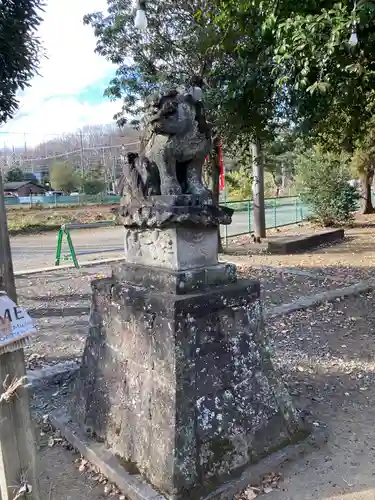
(15, 323)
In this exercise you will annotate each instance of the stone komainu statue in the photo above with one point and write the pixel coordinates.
(174, 146)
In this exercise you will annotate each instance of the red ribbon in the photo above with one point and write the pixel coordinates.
(221, 163)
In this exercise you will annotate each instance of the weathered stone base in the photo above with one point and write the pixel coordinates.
(136, 488)
(180, 385)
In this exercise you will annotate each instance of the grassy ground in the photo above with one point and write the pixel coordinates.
(24, 220)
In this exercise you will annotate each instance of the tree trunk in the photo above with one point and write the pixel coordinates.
(284, 177)
(258, 192)
(366, 201)
(215, 180)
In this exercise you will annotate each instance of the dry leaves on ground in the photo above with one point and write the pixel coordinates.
(268, 483)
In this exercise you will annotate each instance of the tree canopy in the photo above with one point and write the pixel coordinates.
(15, 175)
(19, 50)
(64, 177)
(174, 48)
(186, 39)
(93, 182)
(331, 82)
(274, 72)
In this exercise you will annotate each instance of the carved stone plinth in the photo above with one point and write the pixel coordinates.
(167, 211)
(176, 378)
(176, 248)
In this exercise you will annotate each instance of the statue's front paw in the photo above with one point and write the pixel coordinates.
(198, 189)
(171, 189)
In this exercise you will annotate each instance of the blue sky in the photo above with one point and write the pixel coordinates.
(68, 94)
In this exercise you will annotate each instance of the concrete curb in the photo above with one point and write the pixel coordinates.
(273, 462)
(89, 263)
(51, 374)
(91, 225)
(319, 298)
(131, 485)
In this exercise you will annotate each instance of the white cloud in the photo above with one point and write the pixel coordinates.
(56, 117)
(49, 106)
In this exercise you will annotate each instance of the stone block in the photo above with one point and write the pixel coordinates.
(303, 242)
(176, 248)
(180, 386)
(175, 282)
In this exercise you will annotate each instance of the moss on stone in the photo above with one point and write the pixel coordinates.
(129, 466)
(220, 448)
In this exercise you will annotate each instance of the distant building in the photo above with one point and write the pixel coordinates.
(24, 188)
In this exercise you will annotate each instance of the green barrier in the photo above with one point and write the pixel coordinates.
(60, 237)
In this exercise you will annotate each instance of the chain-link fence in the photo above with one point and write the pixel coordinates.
(279, 212)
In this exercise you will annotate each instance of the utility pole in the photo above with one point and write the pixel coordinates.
(18, 468)
(81, 153)
(258, 192)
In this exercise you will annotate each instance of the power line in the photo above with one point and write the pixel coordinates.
(77, 151)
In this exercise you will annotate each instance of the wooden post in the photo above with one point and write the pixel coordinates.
(18, 469)
(215, 179)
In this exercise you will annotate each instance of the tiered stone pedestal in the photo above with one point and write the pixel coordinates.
(176, 378)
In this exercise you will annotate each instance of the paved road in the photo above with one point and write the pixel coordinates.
(36, 251)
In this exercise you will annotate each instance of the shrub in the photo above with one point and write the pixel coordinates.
(239, 184)
(64, 177)
(93, 186)
(322, 182)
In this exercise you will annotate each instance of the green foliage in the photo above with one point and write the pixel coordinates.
(244, 98)
(269, 185)
(229, 44)
(322, 180)
(363, 159)
(173, 50)
(15, 175)
(331, 84)
(239, 184)
(93, 182)
(19, 49)
(64, 177)
(93, 186)
(273, 71)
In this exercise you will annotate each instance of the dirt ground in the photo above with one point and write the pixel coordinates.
(354, 258)
(325, 355)
(59, 302)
